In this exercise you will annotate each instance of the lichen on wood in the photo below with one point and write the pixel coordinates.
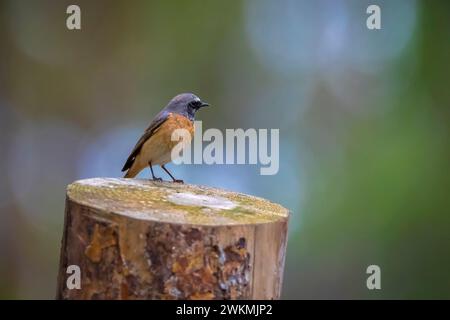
(138, 239)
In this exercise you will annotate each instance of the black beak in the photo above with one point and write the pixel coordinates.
(204, 104)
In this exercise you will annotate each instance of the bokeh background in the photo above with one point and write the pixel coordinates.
(363, 116)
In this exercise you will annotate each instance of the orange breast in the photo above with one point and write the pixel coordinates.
(157, 149)
(175, 121)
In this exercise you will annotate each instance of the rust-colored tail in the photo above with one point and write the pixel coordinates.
(132, 172)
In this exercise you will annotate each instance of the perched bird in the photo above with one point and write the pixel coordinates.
(155, 145)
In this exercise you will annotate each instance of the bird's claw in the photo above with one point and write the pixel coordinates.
(178, 181)
(157, 179)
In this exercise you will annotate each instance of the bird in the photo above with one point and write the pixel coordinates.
(155, 145)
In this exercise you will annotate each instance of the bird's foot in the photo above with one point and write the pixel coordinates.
(178, 181)
(157, 179)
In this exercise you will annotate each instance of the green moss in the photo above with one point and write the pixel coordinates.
(143, 199)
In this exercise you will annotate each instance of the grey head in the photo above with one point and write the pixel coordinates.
(186, 104)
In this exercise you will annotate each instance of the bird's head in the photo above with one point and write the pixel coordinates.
(186, 104)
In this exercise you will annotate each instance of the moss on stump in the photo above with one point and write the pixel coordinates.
(140, 239)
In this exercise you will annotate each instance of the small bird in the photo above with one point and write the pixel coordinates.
(155, 145)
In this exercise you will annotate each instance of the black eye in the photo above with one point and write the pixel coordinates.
(196, 103)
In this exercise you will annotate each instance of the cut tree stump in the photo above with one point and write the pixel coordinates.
(140, 239)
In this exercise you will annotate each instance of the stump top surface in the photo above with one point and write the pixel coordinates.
(173, 202)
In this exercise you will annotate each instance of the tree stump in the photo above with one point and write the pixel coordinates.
(140, 239)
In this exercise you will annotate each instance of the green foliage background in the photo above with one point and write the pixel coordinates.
(364, 163)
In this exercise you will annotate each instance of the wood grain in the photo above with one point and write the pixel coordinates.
(139, 239)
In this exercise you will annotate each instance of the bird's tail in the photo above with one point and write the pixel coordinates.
(131, 173)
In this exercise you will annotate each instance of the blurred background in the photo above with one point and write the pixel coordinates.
(363, 116)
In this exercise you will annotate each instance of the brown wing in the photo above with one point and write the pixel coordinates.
(155, 124)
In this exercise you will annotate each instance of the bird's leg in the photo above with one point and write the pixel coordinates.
(174, 180)
(153, 175)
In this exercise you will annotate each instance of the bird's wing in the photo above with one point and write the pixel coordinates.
(155, 124)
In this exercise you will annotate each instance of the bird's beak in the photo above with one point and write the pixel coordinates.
(204, 104)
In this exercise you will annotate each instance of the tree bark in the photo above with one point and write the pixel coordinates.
(139, 239)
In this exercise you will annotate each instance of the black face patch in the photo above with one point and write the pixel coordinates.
(195, 104)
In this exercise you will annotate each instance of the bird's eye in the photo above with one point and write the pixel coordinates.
(196, 103)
